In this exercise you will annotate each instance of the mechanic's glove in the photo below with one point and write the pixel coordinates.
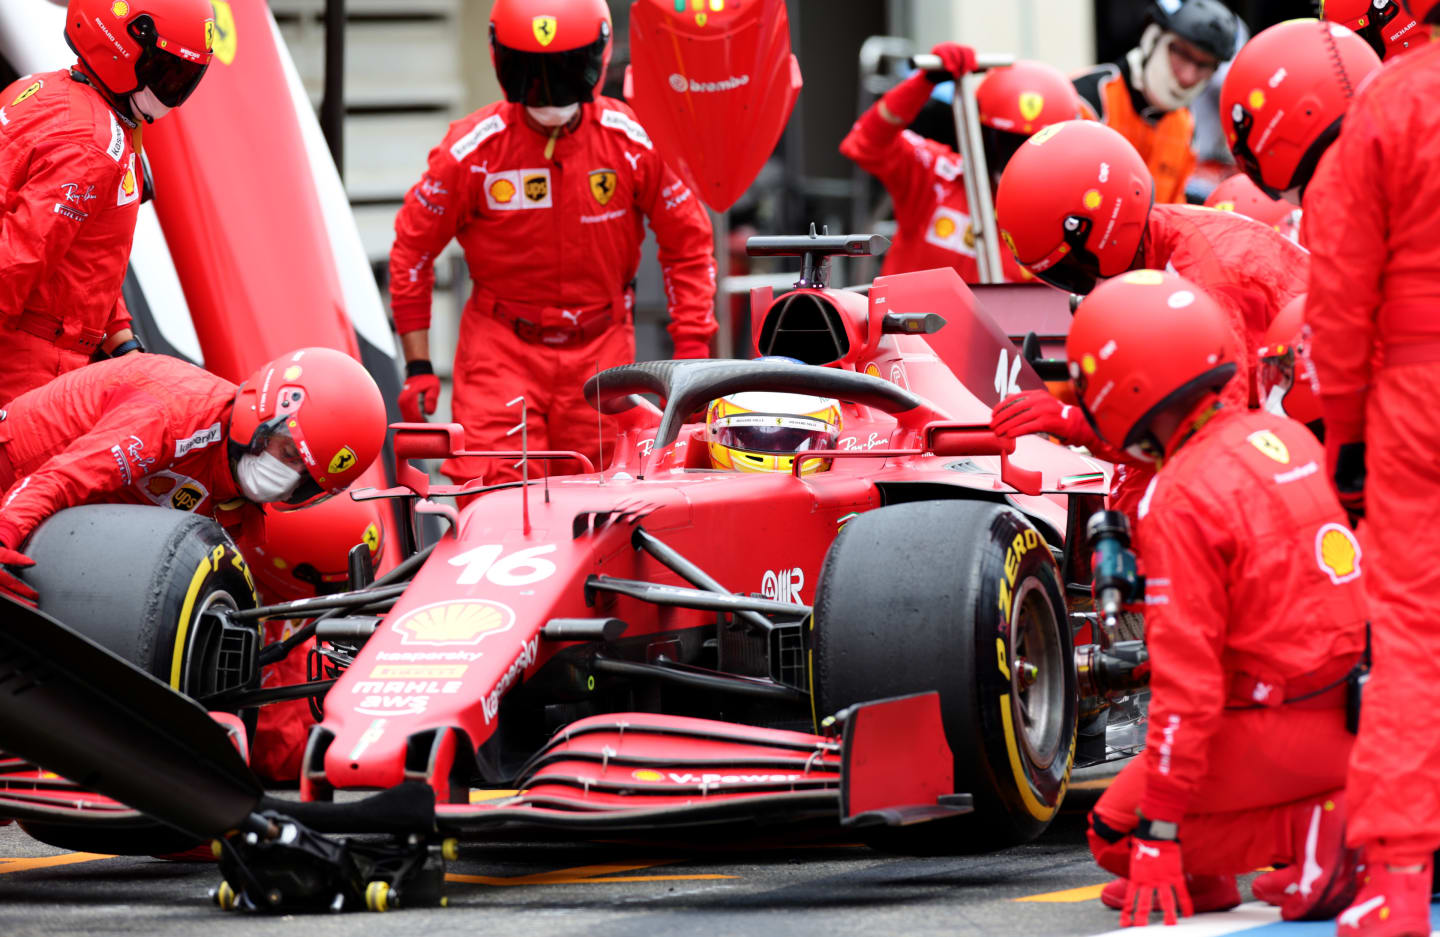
(1037, 411)
(421, 390)
(1347, 470)
(12, 586)
(1156, 877)
(959, 60)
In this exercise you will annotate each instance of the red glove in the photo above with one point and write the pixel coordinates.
(9, 584)
(421, 390)
(1037, 411)
(1155, 877)
(959, 60)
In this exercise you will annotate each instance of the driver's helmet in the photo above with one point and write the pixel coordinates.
(760, 431)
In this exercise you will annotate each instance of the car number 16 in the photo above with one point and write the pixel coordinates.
(520, 568)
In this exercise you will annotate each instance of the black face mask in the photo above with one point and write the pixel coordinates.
(551, 79)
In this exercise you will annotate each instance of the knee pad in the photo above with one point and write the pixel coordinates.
(1109, 846)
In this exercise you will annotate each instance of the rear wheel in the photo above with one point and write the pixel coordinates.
(143, 582)
(964, 598)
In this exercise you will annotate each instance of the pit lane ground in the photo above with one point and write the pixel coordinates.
(542, 889)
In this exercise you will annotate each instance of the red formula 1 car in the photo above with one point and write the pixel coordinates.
(657, 644)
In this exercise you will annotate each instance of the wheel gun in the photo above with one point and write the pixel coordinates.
(1117, 580)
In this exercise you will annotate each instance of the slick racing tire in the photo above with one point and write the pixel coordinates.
(138, 580)
(965, 598)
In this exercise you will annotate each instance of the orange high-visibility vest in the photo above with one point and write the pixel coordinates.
(1164, 145)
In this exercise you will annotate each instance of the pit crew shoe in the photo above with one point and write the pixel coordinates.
(1207, 893)
(1390, 904)
(1327, 870)
(1275, 886)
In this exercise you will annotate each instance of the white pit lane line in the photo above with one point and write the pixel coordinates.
(1253, 919)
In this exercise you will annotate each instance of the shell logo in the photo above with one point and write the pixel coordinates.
(159, 484)
(1031, 104)
(944, 227)
(647, 774)
(127, 183)
(292, 372)
(120, 8)
(502, 191)
(1087, 364)
(443, 623)
(1338, 553)
(1257, 99)
(1093, 199)
(1270, 446)
(1224, 206)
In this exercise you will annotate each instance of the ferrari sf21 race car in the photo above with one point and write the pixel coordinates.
(657, 645)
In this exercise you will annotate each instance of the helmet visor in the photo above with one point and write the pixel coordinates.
(169, 69)
(551, 79)
(280, 437)
(774, 433)
(1277, 369)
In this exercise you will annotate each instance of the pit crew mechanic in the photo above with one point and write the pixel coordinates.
(1075, 206)
(546, 191)
(71, 180)
(1255, 617)
(923, 176)
(1146, 95)
(1370, 220)
(150, 429)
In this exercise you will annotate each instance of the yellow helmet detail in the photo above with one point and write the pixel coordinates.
(758, 431)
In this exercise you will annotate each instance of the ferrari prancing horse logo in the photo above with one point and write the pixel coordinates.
(602, 185)
(544, 27)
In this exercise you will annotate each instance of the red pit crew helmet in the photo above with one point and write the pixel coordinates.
(308, 553)
(1285, 96)
(1017, 101)
(759, 431)
(1243, 197)
(1425, 12)
(129, 45)
(1144, 344)
(550, 53)
(1073, 203)
(1382, 23)
(1287, 378)
(320, 407)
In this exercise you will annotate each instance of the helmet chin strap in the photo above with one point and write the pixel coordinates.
(1151, 72)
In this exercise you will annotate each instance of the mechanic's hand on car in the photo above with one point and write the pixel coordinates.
(421, 391)
(1347, 472)
(12, 586)
(1037, 411)
(958, 60)
(1156, 882)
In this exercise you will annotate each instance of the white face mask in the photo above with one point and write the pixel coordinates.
(1150, 64)
(264, 479)
(145, 106)
(553, 116)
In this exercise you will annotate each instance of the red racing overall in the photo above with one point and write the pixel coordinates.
(551, 226)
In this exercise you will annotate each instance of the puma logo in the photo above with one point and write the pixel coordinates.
(1351, 916)
(1311, 870)
(574, 317)
(633, 160)
(1144, 850)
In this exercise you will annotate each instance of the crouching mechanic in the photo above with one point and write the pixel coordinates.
(547, 192)
(1076, 205)
(925, 178)
(150, 429)
(71, 179)
(1255, 618)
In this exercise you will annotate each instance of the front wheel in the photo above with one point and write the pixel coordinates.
(964, 598)
(141, 581)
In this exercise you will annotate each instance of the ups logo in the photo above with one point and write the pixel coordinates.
(187, 497)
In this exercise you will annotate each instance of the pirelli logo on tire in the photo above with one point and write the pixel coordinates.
(1024, 542)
